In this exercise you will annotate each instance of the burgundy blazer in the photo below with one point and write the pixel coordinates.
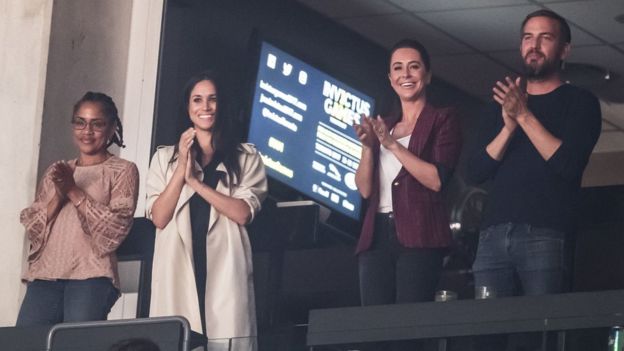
(421, 217)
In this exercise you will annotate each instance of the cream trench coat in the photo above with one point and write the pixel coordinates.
(230, 306)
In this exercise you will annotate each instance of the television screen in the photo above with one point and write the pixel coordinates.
(302, 124)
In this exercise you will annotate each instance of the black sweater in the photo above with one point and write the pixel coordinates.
(525, 187)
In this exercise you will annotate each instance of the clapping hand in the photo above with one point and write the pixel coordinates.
(513, 99)
(364, 132)
(373, 130)
(184, 145)
(62, 176)
(381, 132)
(190, 175)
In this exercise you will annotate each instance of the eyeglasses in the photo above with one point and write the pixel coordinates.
(97, 125)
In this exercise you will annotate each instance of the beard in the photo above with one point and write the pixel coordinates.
(535, 70)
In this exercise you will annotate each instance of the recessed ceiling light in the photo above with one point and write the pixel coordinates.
(584, 74)
(604, 83)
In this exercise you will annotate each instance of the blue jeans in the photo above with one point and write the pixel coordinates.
(57, 301)
(510, 253)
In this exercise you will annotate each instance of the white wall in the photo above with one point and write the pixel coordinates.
(139, 98)
(52, 52)
(138, 116)
(24, 36)
(88, 51)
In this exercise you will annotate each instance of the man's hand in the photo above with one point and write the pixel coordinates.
(513, 99)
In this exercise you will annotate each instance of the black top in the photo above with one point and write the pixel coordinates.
(525, 187)
(200, 216)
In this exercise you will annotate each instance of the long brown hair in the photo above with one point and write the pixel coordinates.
(225, 139)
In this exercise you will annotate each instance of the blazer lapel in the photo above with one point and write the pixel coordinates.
(421, 133)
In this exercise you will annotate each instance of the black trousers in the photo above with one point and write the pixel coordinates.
(390, 273)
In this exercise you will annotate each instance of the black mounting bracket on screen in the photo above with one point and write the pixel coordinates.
(301, 121)
(307, 227)
(302, 218)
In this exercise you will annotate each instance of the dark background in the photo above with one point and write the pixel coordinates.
(299, 263)
(224, 36)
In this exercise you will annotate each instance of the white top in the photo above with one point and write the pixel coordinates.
(389, 167)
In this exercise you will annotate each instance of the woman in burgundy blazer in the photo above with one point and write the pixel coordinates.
(406, 161)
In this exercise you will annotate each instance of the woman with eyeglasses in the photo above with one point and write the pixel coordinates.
(82, 212)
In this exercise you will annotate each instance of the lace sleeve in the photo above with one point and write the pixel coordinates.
(108, 224)
(35, 218)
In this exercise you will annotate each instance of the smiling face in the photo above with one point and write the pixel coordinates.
(202, 105)
(542, 47)
(408, 74)
(91, 129)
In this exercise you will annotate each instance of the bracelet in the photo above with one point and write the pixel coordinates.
(80, 202)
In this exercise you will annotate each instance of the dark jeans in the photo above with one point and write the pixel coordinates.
(511, 252)
(57, 301)
(519, 259)
(390, 273)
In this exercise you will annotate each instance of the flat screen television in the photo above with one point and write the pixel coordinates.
(302, 124)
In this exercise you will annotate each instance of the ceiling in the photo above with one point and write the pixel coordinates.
(474, 43)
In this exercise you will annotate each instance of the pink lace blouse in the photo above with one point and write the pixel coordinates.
(74, 245)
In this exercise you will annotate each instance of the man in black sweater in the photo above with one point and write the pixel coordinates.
(534, 147)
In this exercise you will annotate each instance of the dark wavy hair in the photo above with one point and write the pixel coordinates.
(108, 109)
(225, 138)
(411, 44)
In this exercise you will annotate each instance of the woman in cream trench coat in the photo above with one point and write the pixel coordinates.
(229, 294)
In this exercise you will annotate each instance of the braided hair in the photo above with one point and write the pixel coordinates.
(110, 111)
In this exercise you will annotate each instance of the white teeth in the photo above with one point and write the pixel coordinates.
(205, 116)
